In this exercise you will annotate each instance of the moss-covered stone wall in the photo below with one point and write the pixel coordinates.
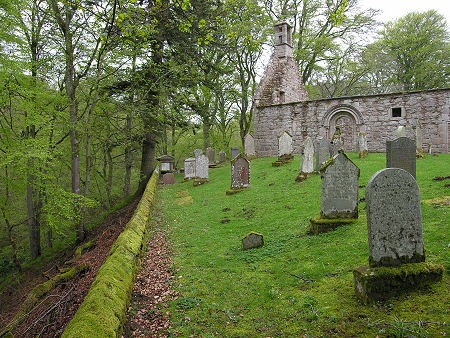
(103, 311)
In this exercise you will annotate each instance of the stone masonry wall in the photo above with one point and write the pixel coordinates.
(371, 114)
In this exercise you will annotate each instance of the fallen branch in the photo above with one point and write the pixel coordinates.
(302, 278)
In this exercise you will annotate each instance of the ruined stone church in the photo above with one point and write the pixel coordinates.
(281, 103)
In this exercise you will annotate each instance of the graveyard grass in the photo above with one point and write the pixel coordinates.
(296, 284)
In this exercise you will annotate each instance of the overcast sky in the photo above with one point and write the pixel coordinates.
(394, 9)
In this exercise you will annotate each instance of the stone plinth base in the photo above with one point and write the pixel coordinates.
(380, 283)
(188, 179)
(319, 225)
(200, 181)
(363, 153)
(303, 176)
(234, 191)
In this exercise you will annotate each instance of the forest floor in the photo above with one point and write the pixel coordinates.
(50, 317)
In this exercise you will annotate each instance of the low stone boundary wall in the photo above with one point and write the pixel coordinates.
(103, 311)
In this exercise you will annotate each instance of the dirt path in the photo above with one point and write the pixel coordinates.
(51, 316)
(152, 289)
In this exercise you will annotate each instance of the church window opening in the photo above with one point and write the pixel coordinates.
(397, 112)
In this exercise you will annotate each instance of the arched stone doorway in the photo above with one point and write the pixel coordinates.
(349, 119)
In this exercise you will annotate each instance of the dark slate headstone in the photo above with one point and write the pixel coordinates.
(168, 178)
(322, 152)
(401, 153)
(339, 188)
(211, 154)
(240, 172)
(252, 240)
(234, 152)
(394, 218)
(222, 156)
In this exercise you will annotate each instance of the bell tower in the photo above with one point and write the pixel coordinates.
(283, 39)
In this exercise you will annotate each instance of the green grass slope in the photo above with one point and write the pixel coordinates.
(296, 284)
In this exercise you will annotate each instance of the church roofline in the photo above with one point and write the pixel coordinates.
(358, 96)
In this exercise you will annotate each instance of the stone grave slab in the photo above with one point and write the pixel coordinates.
(401, 153)
(201, 170)
(396, 251)
(211, 154)
(322, 152)
(249, 146)
(363, 149)
(234, 152)
(197, 152)
(168, 178)
(222, 156)
(189, 168)
(307, 161)
(240, 174)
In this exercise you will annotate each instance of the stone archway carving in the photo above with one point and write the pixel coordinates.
(349, 119)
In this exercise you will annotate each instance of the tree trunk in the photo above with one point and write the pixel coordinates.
(110, 175)
(206, 128)
(128, 132)
(147, 162)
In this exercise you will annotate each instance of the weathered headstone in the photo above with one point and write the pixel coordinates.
(240, 174)
(167, 163)
(401, 153)
(285, 144)
(252, 240)
(197, 152)
(394, 220)
(419, 140)
(363, 149)
(168, 178)
(339, 202)
(201, 170)
(400, 132)
(189, 168)
(234, 152)
(396, 250)
(322, 152)
(337, 142)
(222, 156)
(249, 146)
(307, 160)
(211, 154)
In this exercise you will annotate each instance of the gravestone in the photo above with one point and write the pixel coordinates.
(201, 170)
(222, 156)
(211, 154)
(401, 153)
(167, 163)
(400, 132)
(322, 152)
(252, 240)
(307, 160)
(234, 152)
(362, 145)
(197, 152)
(285, 144)
(394, 220)
(249, 146)
(189, 168)
(339, 201)
(168, 178)
(419, 140)
(339, 188)
(240, 174)
(337, 142)
(396, 250)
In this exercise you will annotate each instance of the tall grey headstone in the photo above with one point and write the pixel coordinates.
(307, 165)
(189, 168)
(222, 156)
(240, 172)
(201, 167)
(394, 219)
(285, 144)
(401, 153)
(211, 154)
(322, 152)
(339, 188)
(197, 152)
(234, 152)
(249, 145)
